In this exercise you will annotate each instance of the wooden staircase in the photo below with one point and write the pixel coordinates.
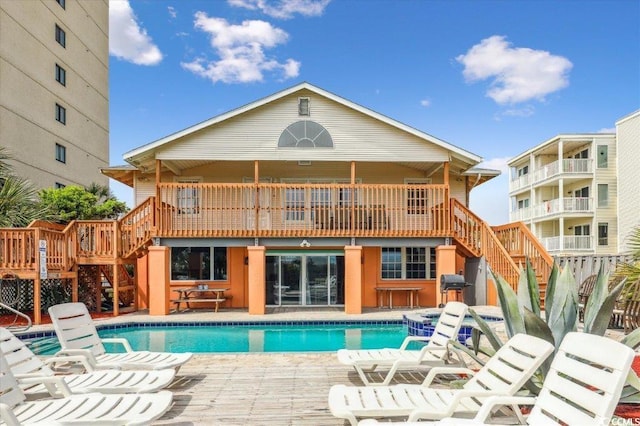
(506, 247)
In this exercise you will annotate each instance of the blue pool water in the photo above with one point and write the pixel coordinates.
(251, 338)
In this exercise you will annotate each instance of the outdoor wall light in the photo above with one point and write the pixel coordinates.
(305, 243)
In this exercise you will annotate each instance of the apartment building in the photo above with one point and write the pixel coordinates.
(566, 191)
(54, 102)
(628, 141)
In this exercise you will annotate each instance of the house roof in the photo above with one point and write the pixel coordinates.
(144, 151)
(570, 141)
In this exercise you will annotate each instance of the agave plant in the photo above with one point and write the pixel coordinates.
(523, 314)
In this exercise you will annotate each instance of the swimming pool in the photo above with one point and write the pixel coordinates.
(251, 337)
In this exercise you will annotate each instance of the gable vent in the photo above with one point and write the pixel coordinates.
(303, 107)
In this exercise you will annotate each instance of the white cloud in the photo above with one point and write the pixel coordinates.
(607, 130)
(283, 9)
(172, 11)
(240, 49)
(518, 74)
(127, 41)
(425, 102)
(500, 163)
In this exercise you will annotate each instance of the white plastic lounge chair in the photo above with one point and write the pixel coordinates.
(27, 368)
(78, 336)
(435, 352)
(504, 374)
(93, 408)
(582, 388)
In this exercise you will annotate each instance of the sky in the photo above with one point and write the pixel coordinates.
(492, 77)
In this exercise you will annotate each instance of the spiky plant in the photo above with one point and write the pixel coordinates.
(522, 314)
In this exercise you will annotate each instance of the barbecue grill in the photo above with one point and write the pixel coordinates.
(451, 282)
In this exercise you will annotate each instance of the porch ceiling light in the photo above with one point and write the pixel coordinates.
(305, 243)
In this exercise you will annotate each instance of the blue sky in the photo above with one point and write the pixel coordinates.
(492, 77)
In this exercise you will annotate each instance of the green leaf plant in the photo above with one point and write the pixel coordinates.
(522, 314)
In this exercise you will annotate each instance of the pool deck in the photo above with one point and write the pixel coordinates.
(264, 388)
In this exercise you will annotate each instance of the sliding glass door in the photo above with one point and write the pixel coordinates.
(305, 280)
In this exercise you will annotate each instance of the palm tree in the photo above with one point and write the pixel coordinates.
(18, 198)
(631, 269)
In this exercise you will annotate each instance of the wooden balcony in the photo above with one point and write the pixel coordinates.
(309, 210)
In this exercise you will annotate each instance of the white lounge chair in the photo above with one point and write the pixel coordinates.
(504, 374)
(436, 351)
(93, 408)
(27, 368)
(582, 387)
(78, 336)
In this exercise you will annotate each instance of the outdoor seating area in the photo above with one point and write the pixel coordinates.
(626, 311)
(302, 388)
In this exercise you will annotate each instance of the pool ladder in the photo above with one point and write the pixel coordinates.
(14, 326)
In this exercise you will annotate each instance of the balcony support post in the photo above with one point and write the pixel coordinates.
(37, 282)
(257, 282)
(256, 195)
(159, 276)
(353, 279)
(445, 264)
(158, 218)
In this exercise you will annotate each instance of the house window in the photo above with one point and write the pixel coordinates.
(199, 263)
(294, 204)
(59, 185)
(61, 114)
(188, 197)
(61, 36)
(62, 3)
(603, 234)
(303, 107)
(410, 263)
(61, 153)
(582, 230)
(417, 197)
(582, 154)
(582, 192)
(523, 171)
(603, 156)
(523, 204)
(61, 75)
(603, 195)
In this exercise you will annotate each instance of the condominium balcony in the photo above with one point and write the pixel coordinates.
(566, 166)
(558, 206)
(568, 243)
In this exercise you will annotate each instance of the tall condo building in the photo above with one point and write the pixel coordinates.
(54, 90)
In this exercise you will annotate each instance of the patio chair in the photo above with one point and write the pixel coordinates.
(93, 408)
(504, 374)
(582, 387)
(78, 336)
(28, 369)
(584, 291)
(437, 350)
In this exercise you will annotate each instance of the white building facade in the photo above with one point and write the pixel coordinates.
(566, 191)
(628, 139)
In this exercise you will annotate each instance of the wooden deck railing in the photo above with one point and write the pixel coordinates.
(518, 239)
(96, 239)
(136, 227)
(18, 248)
(283, 209)
(479, 239)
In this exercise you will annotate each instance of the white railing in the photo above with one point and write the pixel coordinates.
(519, 182)
(569, 165)
(564, 205)
(568, 243)
(520, 215)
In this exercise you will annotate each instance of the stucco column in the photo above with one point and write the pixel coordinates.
(353, 279)
(159, 279)
(142, 281)
(257, 283)
(445, 264)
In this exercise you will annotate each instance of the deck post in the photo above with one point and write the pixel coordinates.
(445, 264)
(353, 279)
(159, 275)
(37, 283)
(142, 282)
(257, 282)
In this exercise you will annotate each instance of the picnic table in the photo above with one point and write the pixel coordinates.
(200, 294)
